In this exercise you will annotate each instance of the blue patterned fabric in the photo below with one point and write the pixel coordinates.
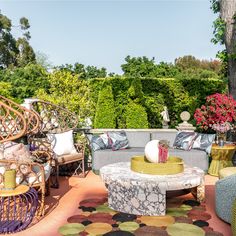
(225, 194)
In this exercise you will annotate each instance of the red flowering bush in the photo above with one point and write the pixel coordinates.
(219, 109)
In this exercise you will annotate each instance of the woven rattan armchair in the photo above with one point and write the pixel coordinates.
(54, 120)
(31, 118)
(17, 121)
(12, 123)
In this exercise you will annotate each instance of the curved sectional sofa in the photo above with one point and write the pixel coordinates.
(137, 141)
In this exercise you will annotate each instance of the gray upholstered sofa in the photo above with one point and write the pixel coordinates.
(137, 141)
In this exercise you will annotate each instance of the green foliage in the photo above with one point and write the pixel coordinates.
(25, 81)
(66, 90)
(5, 89)
(197, 74)
(215, 5)
(186, 66)
(136, 116)
(135, 91)
(85, 72)
(105, 110)
(166, 70)
(154, 103)
(219, 31)
(14, 51)
(139, 67)
(26, 53)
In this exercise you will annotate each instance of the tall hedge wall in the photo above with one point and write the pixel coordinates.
(178, 95)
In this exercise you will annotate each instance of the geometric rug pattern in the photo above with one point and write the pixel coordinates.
(183, 218)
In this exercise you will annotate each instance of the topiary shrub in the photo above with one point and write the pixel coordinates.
(105, 111)
(136, 116)
(135, 91)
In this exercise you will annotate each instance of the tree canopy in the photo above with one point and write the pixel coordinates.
(84, 72)
(15, 51)
(186, 66)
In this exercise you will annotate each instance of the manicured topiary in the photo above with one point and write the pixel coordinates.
(105, 110)
(136, 116)
(135, 91)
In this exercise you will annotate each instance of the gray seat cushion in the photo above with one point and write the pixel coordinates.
(107, 156)
(193, 158)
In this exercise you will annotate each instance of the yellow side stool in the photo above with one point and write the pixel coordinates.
(227, 172)
(233, 221)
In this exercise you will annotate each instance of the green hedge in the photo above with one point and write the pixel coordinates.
(105, 116)
(135, 116)
(178, 95)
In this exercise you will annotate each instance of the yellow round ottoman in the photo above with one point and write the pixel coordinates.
(227, 172)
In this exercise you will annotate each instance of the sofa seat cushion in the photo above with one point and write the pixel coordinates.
(107, 156)
(138, 138)
(69, 158)
(193, 158)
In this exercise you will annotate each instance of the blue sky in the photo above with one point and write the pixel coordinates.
(103, 33)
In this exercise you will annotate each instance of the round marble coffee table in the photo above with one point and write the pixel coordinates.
(143, 194)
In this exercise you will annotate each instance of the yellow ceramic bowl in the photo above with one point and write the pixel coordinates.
(140, 164)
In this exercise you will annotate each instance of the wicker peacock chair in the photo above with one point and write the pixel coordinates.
(12, 123)
(17, 121)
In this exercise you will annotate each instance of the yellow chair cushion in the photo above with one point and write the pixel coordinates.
(227, 172)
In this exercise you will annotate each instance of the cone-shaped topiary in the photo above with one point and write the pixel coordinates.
(136, 116)
(105, 110)
(136, 90)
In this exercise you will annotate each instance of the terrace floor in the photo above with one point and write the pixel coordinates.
(63, 202)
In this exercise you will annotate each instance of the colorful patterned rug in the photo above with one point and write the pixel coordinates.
(183, 217)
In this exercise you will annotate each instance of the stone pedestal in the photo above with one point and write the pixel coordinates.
(185, 126)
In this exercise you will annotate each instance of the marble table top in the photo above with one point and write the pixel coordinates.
(191, 177)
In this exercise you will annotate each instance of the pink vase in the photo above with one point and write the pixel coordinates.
(163, 153)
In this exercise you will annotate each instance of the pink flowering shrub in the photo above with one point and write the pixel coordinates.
(218, 110)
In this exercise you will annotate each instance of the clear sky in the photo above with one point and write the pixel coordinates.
(103, 33)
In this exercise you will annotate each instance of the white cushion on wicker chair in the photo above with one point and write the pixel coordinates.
(62, 143)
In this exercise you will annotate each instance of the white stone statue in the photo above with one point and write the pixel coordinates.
(165, 117)
(88, 122)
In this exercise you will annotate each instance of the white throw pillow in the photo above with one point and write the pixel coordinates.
(62, 143)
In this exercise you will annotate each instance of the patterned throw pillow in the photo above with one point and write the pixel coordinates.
(16, 151)
(118, 140)
(184, 140)
(203, 142)
(96, 142)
